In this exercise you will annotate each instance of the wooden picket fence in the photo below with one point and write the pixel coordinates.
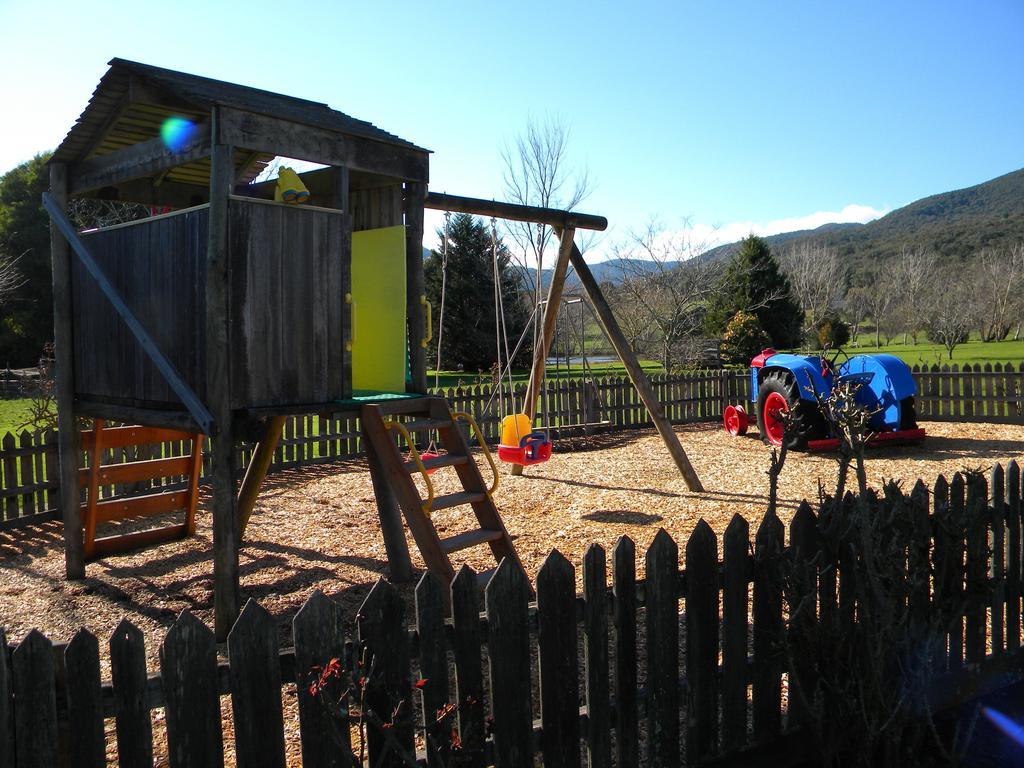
(628, 696)
(989, 393)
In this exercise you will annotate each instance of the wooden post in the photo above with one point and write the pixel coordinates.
(257, 471)
(415, 192)
(218, 394)
(636, 373)
(340, 200)
(64, 378)
(391, 527)
(540, 353)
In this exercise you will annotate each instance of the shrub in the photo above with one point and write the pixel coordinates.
(832, 332)
(744, 338)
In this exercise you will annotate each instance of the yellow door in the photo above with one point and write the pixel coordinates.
(378, 311)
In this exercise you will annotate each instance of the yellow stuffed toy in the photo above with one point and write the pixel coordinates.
(290, 188)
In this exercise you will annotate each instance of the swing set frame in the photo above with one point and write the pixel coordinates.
(565, 224)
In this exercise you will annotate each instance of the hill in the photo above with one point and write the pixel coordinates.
(954, 224)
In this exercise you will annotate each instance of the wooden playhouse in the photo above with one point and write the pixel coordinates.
(224, 311)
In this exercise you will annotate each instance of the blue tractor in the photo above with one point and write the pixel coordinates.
(781, 382)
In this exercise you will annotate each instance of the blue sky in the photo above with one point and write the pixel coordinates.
(741, 116)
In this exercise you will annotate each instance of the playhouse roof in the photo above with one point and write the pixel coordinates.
(115, 117)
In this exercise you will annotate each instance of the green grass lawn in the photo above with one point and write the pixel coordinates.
(522, 375)
(13, 414)
(972, 352)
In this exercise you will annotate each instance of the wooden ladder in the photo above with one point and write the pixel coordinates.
(434, 414)
(96, 474)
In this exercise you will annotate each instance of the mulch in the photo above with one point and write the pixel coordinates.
(316, 528)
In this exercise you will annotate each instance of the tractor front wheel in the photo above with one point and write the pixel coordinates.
(777, 395)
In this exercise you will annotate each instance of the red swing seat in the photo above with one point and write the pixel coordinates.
(534, 448)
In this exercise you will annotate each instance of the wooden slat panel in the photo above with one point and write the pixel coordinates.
(135, 471)
(1013, 556)
(627, 726)
(469, 680)
(319, 634)
(702, 642)
(6, 704)
(256, 689)
(140, 506)
(559, 682)
(997, 564)
(595, 648)
(131, 710)
(507, 596)
(188, 667)
(433, 662)
(662, 603)
(768, 629)
(35, 713)
(122, 437)
(158, 266)
(734, 632)
(285, 257)
(85, 703)
(976, 569)
(382, 631)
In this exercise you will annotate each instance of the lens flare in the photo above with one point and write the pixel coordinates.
(176, 132)
(1007, 725)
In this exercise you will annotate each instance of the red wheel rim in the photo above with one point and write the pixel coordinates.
(774, 404)
(730, 420)
(734, 421)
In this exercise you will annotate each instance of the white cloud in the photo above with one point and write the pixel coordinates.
(703, 237)
(730, 233)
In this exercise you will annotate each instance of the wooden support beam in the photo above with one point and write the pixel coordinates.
(275, 136)
(226, 595)
(126, 414)
(64, 378)
(391, 526)
(339, 197)
(415, 291)
(554, 302)
(554, 217)
(257, 471)
(636, 373)
(136, 161)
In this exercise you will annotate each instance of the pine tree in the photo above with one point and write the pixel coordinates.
(754, 283)
(469, 338)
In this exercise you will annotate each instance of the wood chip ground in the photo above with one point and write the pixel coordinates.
(316, 528)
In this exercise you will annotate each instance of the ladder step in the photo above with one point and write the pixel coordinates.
(448, 460)
(456, 499)
(469, 539)
(417, 425)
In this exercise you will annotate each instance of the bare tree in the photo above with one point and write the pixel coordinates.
(856, 308)
(818, 278)
(538, 172)
(999, 290)
(911, 274)
(665, 290)
(11, 278)
(93, 213)
(952, 310)
(879, 299)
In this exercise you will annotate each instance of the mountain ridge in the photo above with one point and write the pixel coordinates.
(955, 224)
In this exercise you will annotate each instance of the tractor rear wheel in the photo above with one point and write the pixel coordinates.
(778, 393)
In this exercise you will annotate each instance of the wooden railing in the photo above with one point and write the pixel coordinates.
(989, 393)
(962, 617)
